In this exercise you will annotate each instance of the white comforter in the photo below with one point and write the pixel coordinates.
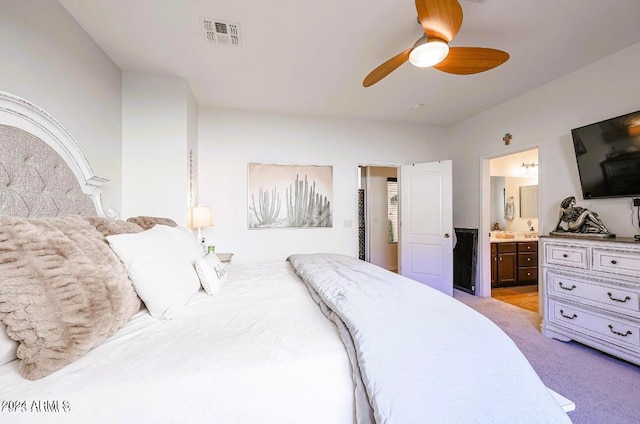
(259, 352)
(423, 356)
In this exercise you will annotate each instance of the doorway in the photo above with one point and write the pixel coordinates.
(424, 247)
(378, 215)
(510, 216)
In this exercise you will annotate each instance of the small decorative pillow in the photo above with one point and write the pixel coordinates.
(161, 274)
(8, 347)
(148, 222)
(185, 242)
(110, 227)
(211, 273)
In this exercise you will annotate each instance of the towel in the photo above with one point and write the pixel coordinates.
(509, 208)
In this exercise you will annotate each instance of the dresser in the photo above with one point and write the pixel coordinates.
(591, 293)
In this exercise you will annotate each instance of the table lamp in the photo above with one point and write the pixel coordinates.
(200, 217)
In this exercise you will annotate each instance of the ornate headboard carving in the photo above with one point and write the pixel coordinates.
(43, 171)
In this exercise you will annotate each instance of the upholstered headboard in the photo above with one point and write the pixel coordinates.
(43, 171)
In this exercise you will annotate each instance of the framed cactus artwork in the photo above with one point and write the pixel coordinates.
(289, 196)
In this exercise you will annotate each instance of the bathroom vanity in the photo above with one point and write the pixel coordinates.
(514, 261)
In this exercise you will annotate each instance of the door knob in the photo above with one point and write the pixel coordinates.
(446, 235)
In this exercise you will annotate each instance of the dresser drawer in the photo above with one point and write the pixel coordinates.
(601, 294)
(623, 262)
(528, 274)
(614, 331)
(573, 256)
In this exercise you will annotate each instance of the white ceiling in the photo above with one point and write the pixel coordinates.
(310, 57)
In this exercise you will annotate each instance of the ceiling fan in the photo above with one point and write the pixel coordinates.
(441, 20)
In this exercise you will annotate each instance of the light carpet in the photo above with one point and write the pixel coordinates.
(606, 390)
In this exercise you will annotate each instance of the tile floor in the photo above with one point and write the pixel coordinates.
(525, 297)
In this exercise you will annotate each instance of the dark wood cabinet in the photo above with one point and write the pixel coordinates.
(528, 262)
(514, 263)
(494, 263)
(507, 265)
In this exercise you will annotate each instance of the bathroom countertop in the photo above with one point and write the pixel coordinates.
(507, 240)
(517, 236)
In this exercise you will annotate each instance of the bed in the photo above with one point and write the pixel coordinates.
(313, 338)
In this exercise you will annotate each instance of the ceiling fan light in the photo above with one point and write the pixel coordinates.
(428, 52)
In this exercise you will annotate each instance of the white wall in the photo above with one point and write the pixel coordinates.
(511, 165)
(544, 118)
(157, 131)
(381, 253)
(497, 205)
(192, 147)
(48, 59)
(229, 140)
(512, 189)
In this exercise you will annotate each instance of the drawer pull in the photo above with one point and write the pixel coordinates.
(618, 300)
(613, 261)
(628, 333)
(573, 286)
(564, 255)
(570, 317)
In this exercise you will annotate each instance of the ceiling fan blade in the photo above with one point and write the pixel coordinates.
(386, 68)
(440, 18)
(471, 60)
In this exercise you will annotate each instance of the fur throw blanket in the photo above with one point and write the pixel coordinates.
(147, 222)
(63, 291)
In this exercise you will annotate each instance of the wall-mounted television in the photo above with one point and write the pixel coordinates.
(608, 156)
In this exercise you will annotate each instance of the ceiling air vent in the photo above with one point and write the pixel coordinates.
(221, 32)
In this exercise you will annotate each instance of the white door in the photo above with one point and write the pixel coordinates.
(426, 224)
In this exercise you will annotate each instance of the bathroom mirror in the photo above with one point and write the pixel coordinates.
(529, 201)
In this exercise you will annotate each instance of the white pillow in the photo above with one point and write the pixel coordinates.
(160, 272)
(185, 242)
(211, 273)
(7, 346)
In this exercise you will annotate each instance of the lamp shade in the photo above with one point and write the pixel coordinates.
(428, 52)
(200, 217)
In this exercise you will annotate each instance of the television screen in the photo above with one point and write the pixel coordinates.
(608, 155)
